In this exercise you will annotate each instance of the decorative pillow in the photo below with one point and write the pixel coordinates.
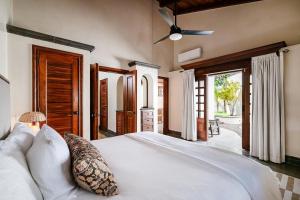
(90, 170)
(21, 135)
(16, 181)
(50, 165)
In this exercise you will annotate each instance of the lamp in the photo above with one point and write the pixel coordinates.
(175, 36)
(32, 118)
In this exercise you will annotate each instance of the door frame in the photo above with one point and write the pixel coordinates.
(166, 104)
(245, 67)
(94, 85)
(234, 61)
(94, 102)
(36, 50)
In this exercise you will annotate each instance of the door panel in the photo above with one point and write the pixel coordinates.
(104, 104)
(94, 109)
(57, 88)
(201, 108)
(130, 102)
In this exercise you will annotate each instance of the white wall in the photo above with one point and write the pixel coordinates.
(121, 31)
(5, 17)
(175, 101)
(112, 89)
(241, 27)
(292, 100)
(20, 76)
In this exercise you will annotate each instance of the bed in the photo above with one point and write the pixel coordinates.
(151, 166)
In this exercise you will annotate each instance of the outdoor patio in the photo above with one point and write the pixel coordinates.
(227, 140)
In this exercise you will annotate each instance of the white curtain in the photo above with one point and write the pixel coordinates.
(189, 107)
(268, 127)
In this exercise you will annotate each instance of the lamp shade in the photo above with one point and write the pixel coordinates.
(30, 117)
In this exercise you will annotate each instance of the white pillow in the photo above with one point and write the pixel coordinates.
(22, 135)
(16, 182)
(49, 162)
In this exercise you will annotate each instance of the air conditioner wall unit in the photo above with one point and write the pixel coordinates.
(189, 55)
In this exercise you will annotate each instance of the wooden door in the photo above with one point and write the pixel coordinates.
(57, 86)
(165, 104)
(246, 109)
(201, 108)
(94, 90)
(130, 102)
(104, 104)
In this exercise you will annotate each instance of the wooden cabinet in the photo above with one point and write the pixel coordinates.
(120, 129)
(147, 118)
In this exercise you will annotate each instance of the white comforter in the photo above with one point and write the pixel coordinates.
(149, 166)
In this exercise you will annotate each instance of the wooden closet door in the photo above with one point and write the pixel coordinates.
(57, 88)
(104, 104)
(130, 102)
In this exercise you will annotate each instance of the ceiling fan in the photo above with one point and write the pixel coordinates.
(176, 32)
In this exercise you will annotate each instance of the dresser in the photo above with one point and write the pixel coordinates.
(147, 123)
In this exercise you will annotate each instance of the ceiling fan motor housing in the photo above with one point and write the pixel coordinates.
(175, 29)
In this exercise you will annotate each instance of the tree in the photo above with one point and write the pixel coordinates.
(229, 93)
(220, 81)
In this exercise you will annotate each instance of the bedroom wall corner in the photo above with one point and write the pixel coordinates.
(5, 17)
(20, 76)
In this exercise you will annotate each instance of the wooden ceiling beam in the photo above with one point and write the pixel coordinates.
(218, 4)
(201, 6)
(164, 3)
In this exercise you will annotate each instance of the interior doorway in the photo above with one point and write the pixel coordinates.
(113, 101)
(224, 110)
(163, 105)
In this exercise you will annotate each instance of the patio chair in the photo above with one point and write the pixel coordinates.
(214, 128)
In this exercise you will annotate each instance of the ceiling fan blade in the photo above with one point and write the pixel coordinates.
(195, 32)
(167, 36)
(166, 16)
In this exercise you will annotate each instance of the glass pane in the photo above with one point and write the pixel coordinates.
(196, 91)
(201, 114)
(201, 83)
(202, 99)
(201, 107)
(202, 91)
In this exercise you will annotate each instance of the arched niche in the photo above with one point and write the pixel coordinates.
(120, 93)
(147, 88)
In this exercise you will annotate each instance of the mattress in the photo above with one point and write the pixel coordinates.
(150, 166)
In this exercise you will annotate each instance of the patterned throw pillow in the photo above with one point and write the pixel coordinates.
(90, 170)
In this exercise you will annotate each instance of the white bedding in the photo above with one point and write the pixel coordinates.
(149, 166)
